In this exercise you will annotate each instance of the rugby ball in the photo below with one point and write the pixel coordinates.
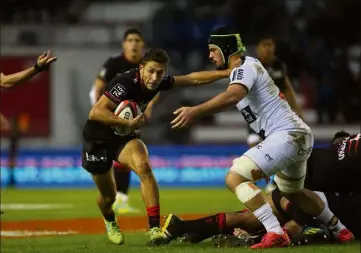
(127, 109)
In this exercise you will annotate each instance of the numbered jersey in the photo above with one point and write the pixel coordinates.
(264, 107)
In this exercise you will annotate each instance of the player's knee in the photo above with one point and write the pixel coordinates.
(246, 168)
(108, 199)
(233, 179)
(289, 186)
(246, 191)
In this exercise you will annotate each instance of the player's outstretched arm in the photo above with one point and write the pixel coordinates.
(201, 78)
(290, 95)
(42, 63)
(223, 101)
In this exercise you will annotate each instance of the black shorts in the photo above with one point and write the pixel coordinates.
(326, 174)
(97, 158)
(293, 212)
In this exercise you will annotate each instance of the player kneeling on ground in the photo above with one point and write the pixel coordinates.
(103, 143)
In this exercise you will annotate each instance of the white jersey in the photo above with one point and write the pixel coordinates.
(263, 108)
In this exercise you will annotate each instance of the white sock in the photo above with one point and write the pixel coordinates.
(122, 197)
(331, 221)
(265, 215)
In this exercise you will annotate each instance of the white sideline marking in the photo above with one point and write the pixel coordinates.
(34, 206)
(26, 233)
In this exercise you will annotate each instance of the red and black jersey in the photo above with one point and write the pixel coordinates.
(125, 86)
(115, 65)
(349, 147)
(336, 168)
(277, 70)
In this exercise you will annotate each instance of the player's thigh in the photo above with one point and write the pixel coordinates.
(97, 160)
(134, 155)
(282, 151)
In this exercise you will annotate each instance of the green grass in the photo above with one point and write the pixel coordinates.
(135, 244)
(180, 201)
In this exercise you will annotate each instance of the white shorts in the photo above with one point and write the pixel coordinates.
(283, 151)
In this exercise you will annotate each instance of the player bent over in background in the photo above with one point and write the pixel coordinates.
(102, 145)
(247, 229)
(284, 152)
(327, 168)
(323, 175)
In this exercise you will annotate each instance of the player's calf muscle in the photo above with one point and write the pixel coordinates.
(107, 191)
(135, 156)
(105, 184)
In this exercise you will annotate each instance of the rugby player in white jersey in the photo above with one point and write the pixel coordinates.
(283, 153)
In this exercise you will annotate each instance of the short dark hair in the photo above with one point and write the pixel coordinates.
(340, 134)
(157, 55)
(265, 36)
(132, 31)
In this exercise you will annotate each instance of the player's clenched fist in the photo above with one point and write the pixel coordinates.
(137, 122)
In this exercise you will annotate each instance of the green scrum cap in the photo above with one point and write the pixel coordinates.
(228, 42)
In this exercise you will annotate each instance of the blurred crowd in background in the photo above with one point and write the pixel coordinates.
(319, 40)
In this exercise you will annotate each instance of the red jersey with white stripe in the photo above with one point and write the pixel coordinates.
(348, 147)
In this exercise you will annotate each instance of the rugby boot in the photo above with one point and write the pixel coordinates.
(231, 241)
(157, 237)
(170, 227)
(120, 208)
(191, 238)
(344, 236)
(273, 240)
(113, 231)
(312, 235)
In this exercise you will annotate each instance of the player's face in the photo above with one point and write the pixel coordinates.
(266, 49)
(152, 74)
(215, 55)
(133, 44)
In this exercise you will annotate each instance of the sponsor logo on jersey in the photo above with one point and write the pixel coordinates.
(347, 142)
(95, 158)
(268, 157)
(118, 91)
(304, 152)
(342, 149)
(248, 115)
(239, 74)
